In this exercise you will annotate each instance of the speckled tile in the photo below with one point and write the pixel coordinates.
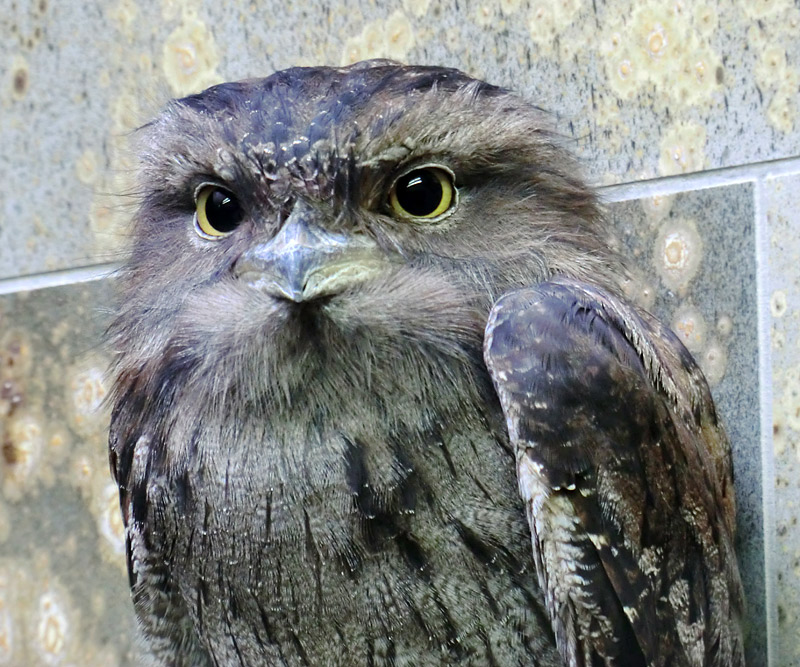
(648, 88)
(694, 259)
(782, 208)
(63, 587)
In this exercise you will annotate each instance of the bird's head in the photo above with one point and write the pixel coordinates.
(346, 219)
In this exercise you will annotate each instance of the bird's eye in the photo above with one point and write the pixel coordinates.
(427, 192)
(217, 212)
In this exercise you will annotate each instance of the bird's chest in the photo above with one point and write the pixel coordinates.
(350, 550)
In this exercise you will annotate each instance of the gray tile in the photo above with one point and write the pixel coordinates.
(63, 586)
(781, 205)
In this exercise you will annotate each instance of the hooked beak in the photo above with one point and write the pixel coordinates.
(304, 262)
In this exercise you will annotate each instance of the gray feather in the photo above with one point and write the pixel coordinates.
(314, 466)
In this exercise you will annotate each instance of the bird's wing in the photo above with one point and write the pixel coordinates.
(626, 478)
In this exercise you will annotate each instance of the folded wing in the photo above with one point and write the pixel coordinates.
(626, 477)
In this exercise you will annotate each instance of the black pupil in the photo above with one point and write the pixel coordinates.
(419, 193)
(223, 211)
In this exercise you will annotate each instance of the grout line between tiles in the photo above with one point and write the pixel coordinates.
(38, 281)
(765, 400)
(700, 180)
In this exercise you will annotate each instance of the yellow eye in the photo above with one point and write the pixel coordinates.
(427, 192)
(217, 212)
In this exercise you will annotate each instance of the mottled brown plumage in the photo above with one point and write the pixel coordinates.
(317, 465)
(626, 476)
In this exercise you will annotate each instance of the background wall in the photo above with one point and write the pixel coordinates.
(685, 113)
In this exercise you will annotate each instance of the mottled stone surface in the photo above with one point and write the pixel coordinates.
(783, 223)
(63, 589)
(648, 89)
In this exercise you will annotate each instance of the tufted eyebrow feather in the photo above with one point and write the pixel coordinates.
(309, 122)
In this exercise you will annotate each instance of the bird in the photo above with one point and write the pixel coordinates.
(379, 396)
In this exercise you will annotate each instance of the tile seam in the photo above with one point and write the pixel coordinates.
(765, 400)
(37, 281)
(699, 180)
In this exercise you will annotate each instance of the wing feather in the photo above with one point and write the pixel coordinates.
(626, 477)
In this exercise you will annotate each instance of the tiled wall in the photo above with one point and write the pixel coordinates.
(685, 113)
